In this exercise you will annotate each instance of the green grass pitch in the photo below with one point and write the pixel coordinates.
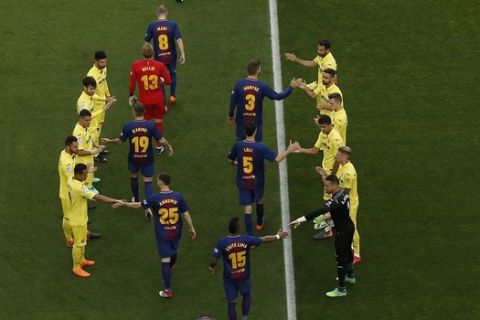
(408, 73)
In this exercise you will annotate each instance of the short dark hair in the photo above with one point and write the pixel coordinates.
(250, 128)
(165, 178)
(79, 168)
(335, 96)
(325, 43)
(89, 81)
(324, 119)
(233, 225)
(70, 139)
(331, 72)
(100, 54)
(138, 108)
(84, 113)
(333, 178)
(252, 67)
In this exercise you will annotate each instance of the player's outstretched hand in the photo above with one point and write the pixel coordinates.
(296, 82)
(170, 151)
(321, 171)
(118, 204)
(182, 58)
(148, 214)
(193, 233)
(294, 224)
(105, 140)
(282, 234)
(91, 168)
(293, 146)
(290, 56)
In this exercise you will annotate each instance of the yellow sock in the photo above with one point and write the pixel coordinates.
(78, 256)
(356, 243)
(67, 230)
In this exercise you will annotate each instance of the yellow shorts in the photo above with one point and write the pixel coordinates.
(65, 207)
(80, 236)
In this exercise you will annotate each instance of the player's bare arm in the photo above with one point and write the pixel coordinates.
(312, 150)
(108, 141)
(280, 235)
(181, 48)
(213, 264)
(306, 63)
(168, 146)
(292, 147)
(191, 229)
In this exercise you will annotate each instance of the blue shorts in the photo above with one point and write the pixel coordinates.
(147, 171)
(167, 248)
(232, 288)
(249, 196)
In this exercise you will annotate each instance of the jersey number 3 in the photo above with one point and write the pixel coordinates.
(250, 99)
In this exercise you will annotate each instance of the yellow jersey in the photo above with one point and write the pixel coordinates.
(327, 62)
(102, 90)
(85, 142)
(66, 164)
(322, 92)
(91, 103)
(348, 179)
(79, 195)
(329, 144)
(340, 123)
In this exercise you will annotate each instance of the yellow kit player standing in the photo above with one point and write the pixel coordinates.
(322, 90)
(79, 195)
(87, 149)
(329, 140)
(90, 101)
(66, 163)
(339, 115)
(348, 180)
(323, 61)
(99, 72)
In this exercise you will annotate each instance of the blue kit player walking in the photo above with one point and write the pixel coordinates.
(140, 133)
(168, 209)
(235, 250)
(247, 97)
(249, 156)
(166, 37)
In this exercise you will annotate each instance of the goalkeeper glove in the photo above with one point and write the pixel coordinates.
(148, 214)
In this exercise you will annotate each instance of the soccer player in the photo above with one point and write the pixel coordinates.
(338, 209)
(66, 163)
(235, 250)
(348, 181)
(329, 140)
(322, 90)
(87, 149)
(166, 37)
(169, 210)
(339, 115)
(89, 100)
(247, 96)
(140, 134)
(323, 61)
(249, 156)
(150, 76)
(99, 72)
(79, 195)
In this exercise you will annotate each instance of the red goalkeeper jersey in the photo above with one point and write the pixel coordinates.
(150, 75)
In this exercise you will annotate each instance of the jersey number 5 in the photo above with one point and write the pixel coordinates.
(247, 164)
(168, 215)
(238, 259)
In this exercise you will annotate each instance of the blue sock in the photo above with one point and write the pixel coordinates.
(167, 275)
(246, 304)
(249, 224)
(173, 84)
(148, 189)
(232, 314)
(134, 186)
(260, 214)
(173, 260)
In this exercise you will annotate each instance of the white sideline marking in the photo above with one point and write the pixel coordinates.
(285, 204)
